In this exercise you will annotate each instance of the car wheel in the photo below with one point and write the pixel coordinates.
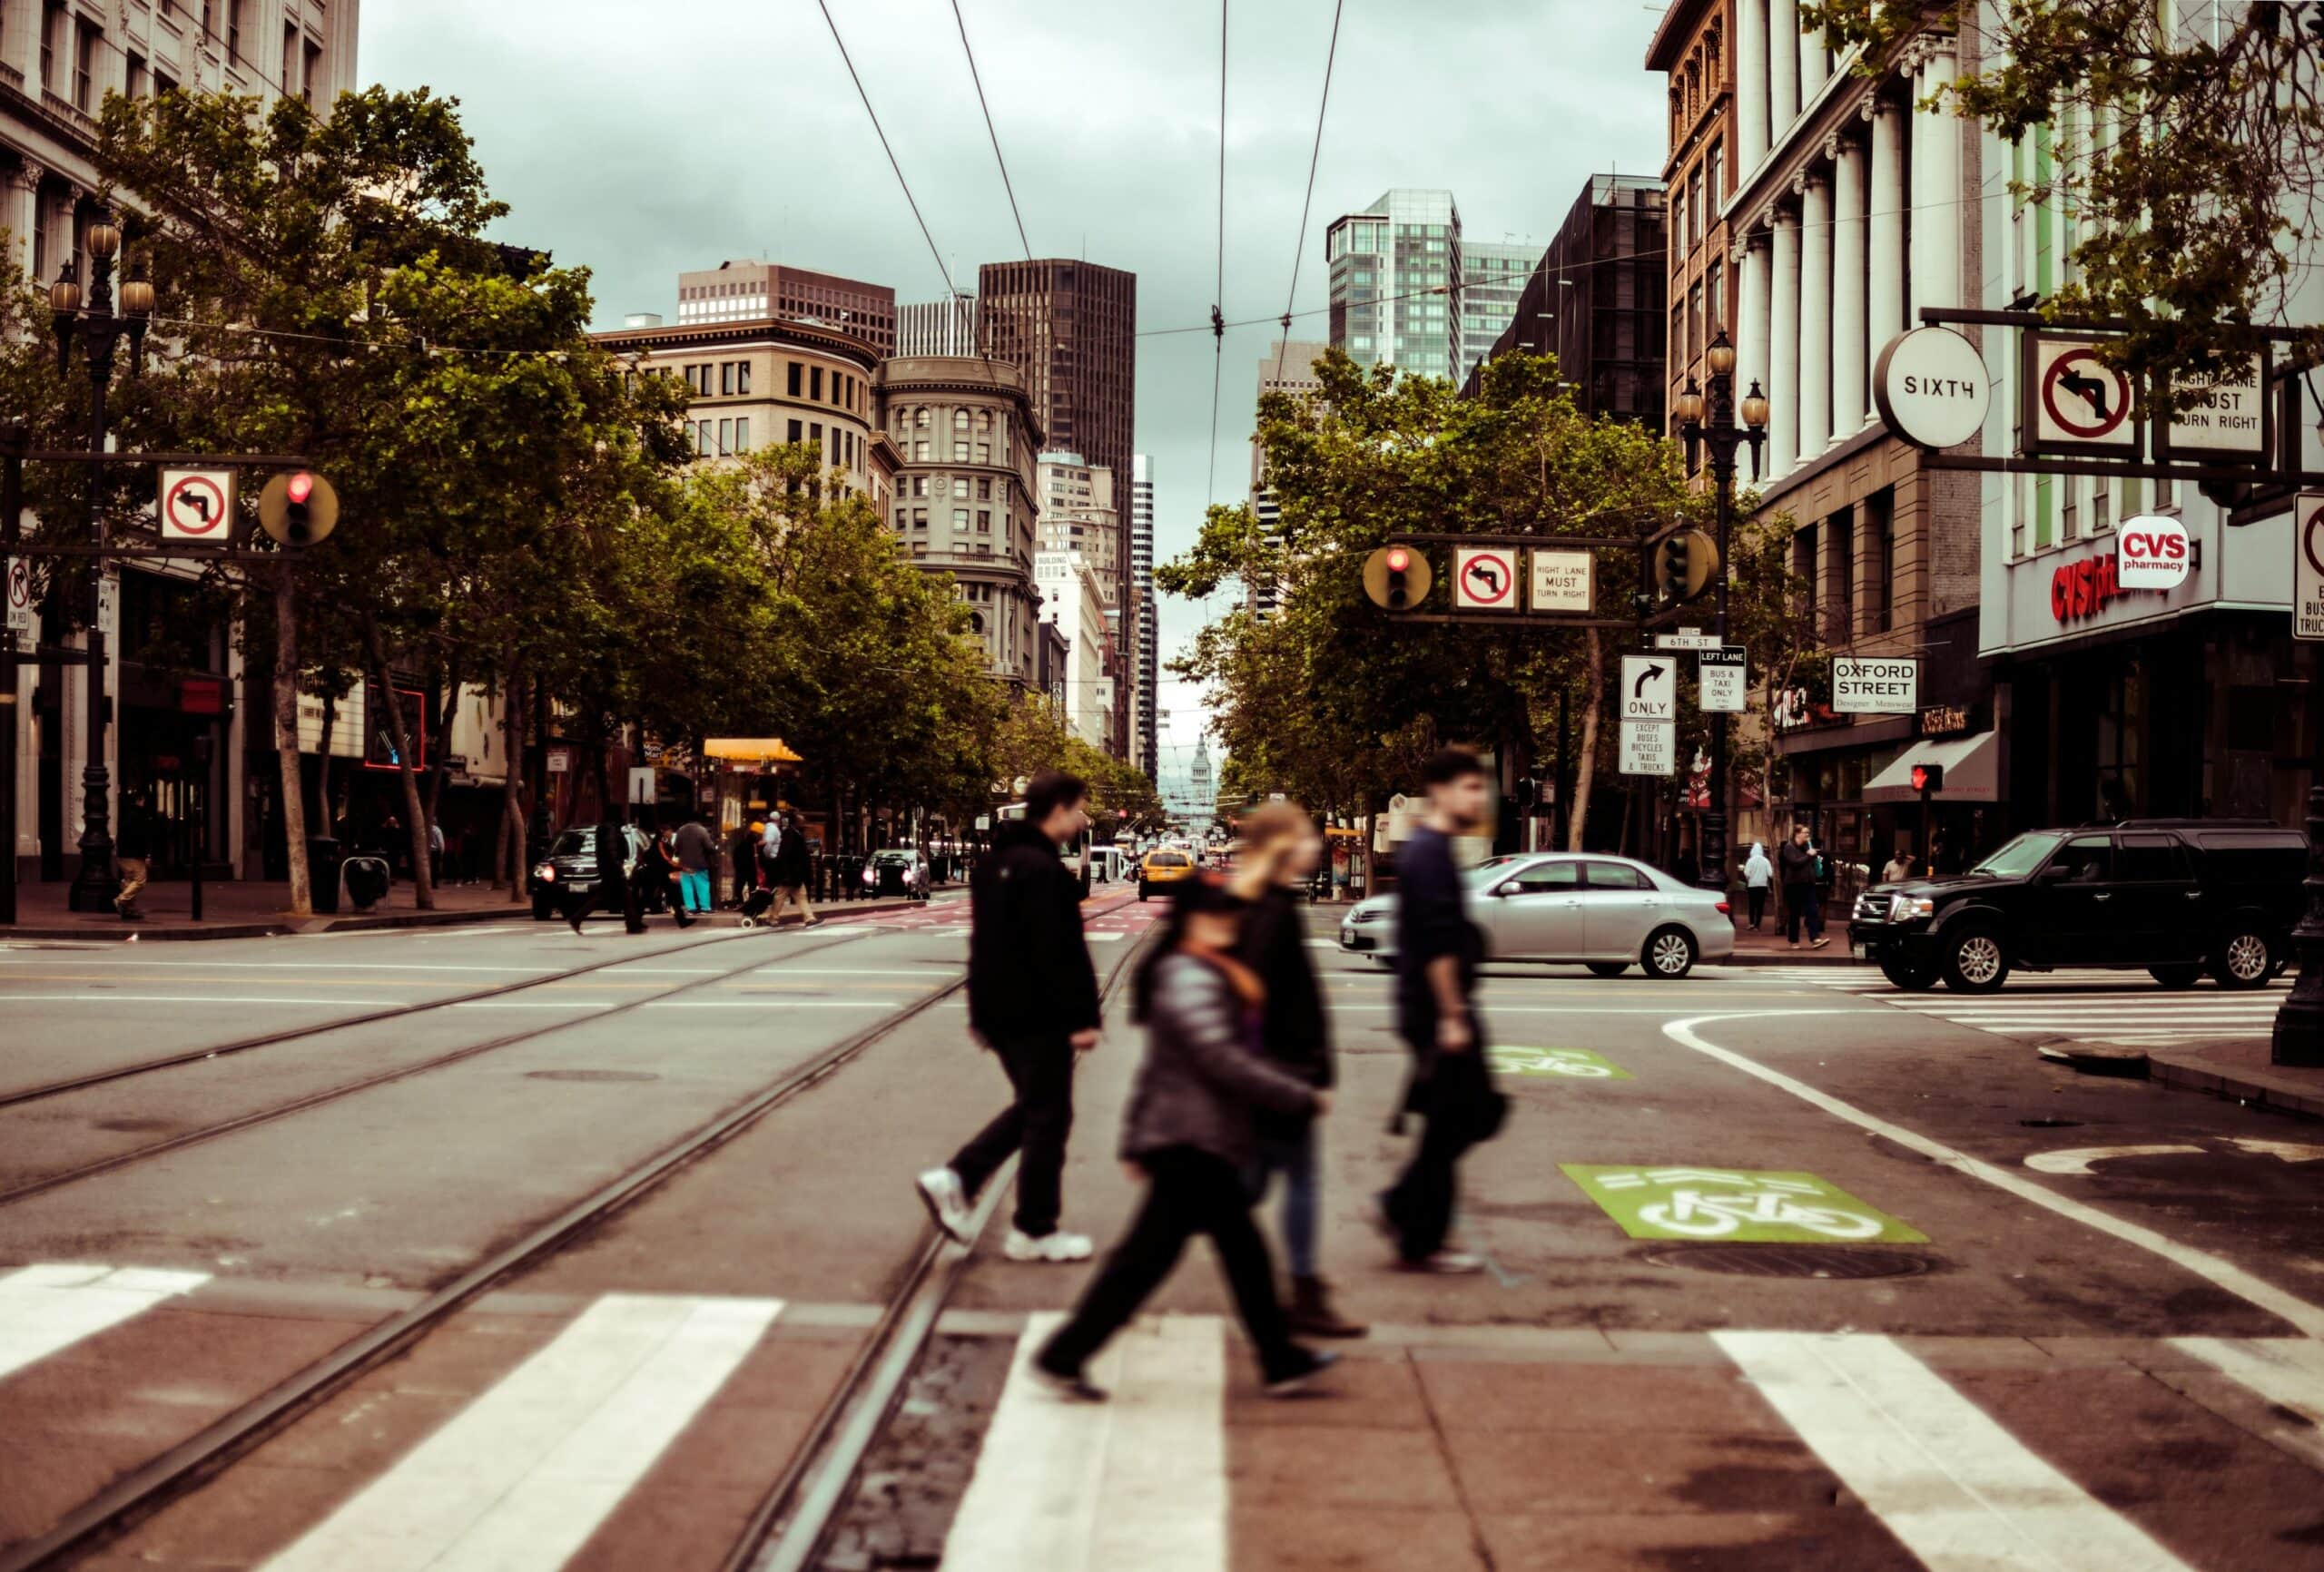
(2175, 977)
(542, 909)
(2244, 959)
(1975, 962)
(1904, 975)
(1670, 954)
(1141, 892)
(1606, 967)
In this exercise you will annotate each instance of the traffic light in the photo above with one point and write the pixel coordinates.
(1928, 778)
(1684, 563)
(298, 507)
(1397, 578)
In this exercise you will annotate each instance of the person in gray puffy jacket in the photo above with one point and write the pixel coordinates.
(1190, 1132)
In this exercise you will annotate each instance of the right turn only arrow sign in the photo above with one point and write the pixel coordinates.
(1649, 688)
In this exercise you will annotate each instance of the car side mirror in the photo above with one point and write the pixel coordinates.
(1508, 889)
(2057, 873)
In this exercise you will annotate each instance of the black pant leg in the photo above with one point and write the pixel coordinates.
(1044, 1077)
(989, 1148)
(1242, 1257)
(1795, 903)
(1421, 1204)
(1172, 1213)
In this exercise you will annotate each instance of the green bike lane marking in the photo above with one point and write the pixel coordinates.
(1573, 1063)
(1743, 1205)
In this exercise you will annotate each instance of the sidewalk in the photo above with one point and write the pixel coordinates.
(2241, 1069)
(251, 908)
(1767, 947)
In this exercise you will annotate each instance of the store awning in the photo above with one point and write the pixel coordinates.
(761, 752)
(1971, 775)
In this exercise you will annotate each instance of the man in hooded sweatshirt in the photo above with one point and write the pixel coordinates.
(1033, 1000)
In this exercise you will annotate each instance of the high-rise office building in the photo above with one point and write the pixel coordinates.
(938, 327)
(1397, 283)
(1073, 327)
(1145, 744)
(737, 292)
(1288, 368)
(1494, 275)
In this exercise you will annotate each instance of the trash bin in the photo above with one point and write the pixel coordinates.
(368, 880)
(323, 872)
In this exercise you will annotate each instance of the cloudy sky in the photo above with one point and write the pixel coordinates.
(639, 138)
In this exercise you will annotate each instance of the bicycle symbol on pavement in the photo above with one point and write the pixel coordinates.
(1573, 1063)
(1741, 1204)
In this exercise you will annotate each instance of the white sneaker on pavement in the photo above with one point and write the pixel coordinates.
(947, 1200)
(1049, 1247)
(1448, 1263)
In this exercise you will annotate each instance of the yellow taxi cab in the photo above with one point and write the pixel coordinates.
(1163, 865)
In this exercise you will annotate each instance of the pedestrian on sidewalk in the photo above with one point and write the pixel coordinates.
(745, 874)
(1190, 1135)
(1899, 867)
(1798, 864)
(695, 851)
(1758, 873)
(435, 852)
(789, 869)
(611, 892)
(132, 854)
(1281, 852)
(1437, 952)
(1033, 1001)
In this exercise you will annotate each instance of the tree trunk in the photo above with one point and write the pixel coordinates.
(1585, 766)
(423, 888)
(286, 740)
(508, 844)
(446, 713)
(323, 762)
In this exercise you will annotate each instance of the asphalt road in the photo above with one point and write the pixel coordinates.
(2024, 1315)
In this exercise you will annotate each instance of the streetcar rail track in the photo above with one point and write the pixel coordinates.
(146, 1489)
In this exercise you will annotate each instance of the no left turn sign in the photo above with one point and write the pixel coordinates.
(2081, 403)
(197, 503)
(1484, 578)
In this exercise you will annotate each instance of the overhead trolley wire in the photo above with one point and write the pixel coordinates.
(1218, 296)
(1005, 182)
(949, 291)
(1299, 250)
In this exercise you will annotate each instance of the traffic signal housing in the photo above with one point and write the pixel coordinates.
(1396, 578)
(298, 507)
(1928, 778)
(1684, 563)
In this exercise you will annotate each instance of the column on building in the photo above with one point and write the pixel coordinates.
(1751, 84)
(1886, 227)
(1814, 189)
(1783, 341)
(1936, 186)
(23, 216)
(1750, 259)
(1850, 363)
(1814, 69)
(1782, 66)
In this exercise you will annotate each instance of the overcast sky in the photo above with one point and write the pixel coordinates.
(639, 138)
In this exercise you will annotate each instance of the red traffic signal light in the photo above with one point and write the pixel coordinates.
(299, 508)
(1400, 559)
(301, 487)
(1928, 778)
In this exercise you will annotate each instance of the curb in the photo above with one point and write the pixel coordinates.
(2190, 1072)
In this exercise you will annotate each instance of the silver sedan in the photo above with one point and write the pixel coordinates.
(1607, 913)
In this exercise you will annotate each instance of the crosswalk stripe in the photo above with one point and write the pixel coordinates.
(1135, 1484)
(1955, 1487)
(522, 1476)
(2289, 1370)
(56, 1304)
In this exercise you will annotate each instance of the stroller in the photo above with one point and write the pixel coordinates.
(762, 893)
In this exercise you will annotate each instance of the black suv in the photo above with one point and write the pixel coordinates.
(2178, 897)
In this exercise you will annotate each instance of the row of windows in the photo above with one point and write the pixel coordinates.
(945, 485)
(733, 377)
(846, 449)
(1694, 207)
(917, 518)
(847, 390)
(720, 437)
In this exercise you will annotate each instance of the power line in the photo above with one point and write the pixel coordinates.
(1299, 248)
(989, 131)
(949, 291)
(1219, 293)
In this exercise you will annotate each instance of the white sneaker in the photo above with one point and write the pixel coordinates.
(1057, 1246)
(1448, 1263)
(947, 1200)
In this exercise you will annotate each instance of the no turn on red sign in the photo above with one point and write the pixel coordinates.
(197, 504)
(19, 592)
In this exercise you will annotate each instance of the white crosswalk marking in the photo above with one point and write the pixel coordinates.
(2289, 1370)
(521, 1479)
(1135, 1484)
(54, 1305)
(2082, 1005)
(1959, 1491)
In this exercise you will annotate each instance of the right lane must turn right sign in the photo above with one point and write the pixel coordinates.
(2308, 568)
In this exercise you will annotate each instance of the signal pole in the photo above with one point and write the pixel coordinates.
(1706, 417)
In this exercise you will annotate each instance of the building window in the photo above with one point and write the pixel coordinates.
(920, 452)
(919, 485)
(741, 376)
(1715, 296)
(138, 85)
(815, 383)
(1717, 164)
(313, 58)
(919, 418)
(960, 452)
(815, 432)
(793, 433)
(725, 438)
(959, 521)
(51, 28)
(743, 436)
(920, 518)
(984, 488)
(794, 373)
(904, 518)
(984, 453)
(984, 521)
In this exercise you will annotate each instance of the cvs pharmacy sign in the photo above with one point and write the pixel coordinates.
(2155, 553)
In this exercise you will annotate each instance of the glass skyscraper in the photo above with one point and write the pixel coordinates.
(1495, 276)
(1397, 283)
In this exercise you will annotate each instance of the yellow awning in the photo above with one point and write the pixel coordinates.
(760, 751)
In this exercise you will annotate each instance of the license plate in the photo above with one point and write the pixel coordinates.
(1861, 951)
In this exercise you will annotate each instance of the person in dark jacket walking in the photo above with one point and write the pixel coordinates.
(788, 874)
(1437, 951)
(657, 870)
(1281, 852)
(697, 852)
(1795, 866)
(1033, 1000)
(612, 891)
(1190, 1133)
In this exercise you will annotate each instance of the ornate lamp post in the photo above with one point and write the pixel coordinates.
(1706, 418)
(99, 328)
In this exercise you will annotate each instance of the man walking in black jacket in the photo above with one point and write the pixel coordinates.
(1033, 998)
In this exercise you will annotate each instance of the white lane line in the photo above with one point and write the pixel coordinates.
(2221, 1274)
(521, 1478)
(141, 964)
(54, 1305)
(1960, 1491)
(1135, 1484)
(770, 1005)
(2288, 1371)
(110, 998)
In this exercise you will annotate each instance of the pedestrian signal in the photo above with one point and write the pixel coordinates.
(1684, 563)
(298, 509)
(1397, 578)
(1929, 777)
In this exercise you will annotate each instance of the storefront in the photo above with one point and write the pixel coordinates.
(2122, 703)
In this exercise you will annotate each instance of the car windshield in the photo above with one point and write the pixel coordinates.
(1493, 868)
(2020, 855)
(892, 859)
(1166, 860)
(574, 843)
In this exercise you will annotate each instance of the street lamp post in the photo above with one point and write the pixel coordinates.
(1706, 418)
(100, 329)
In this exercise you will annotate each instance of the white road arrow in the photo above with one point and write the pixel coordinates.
(2079, 1159)
(2284, 1151)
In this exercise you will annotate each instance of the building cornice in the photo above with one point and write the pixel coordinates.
(777, 331)
(1678, 24)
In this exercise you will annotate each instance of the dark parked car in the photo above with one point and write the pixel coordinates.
(2175, 897)
(571, 869)
(896, 871)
